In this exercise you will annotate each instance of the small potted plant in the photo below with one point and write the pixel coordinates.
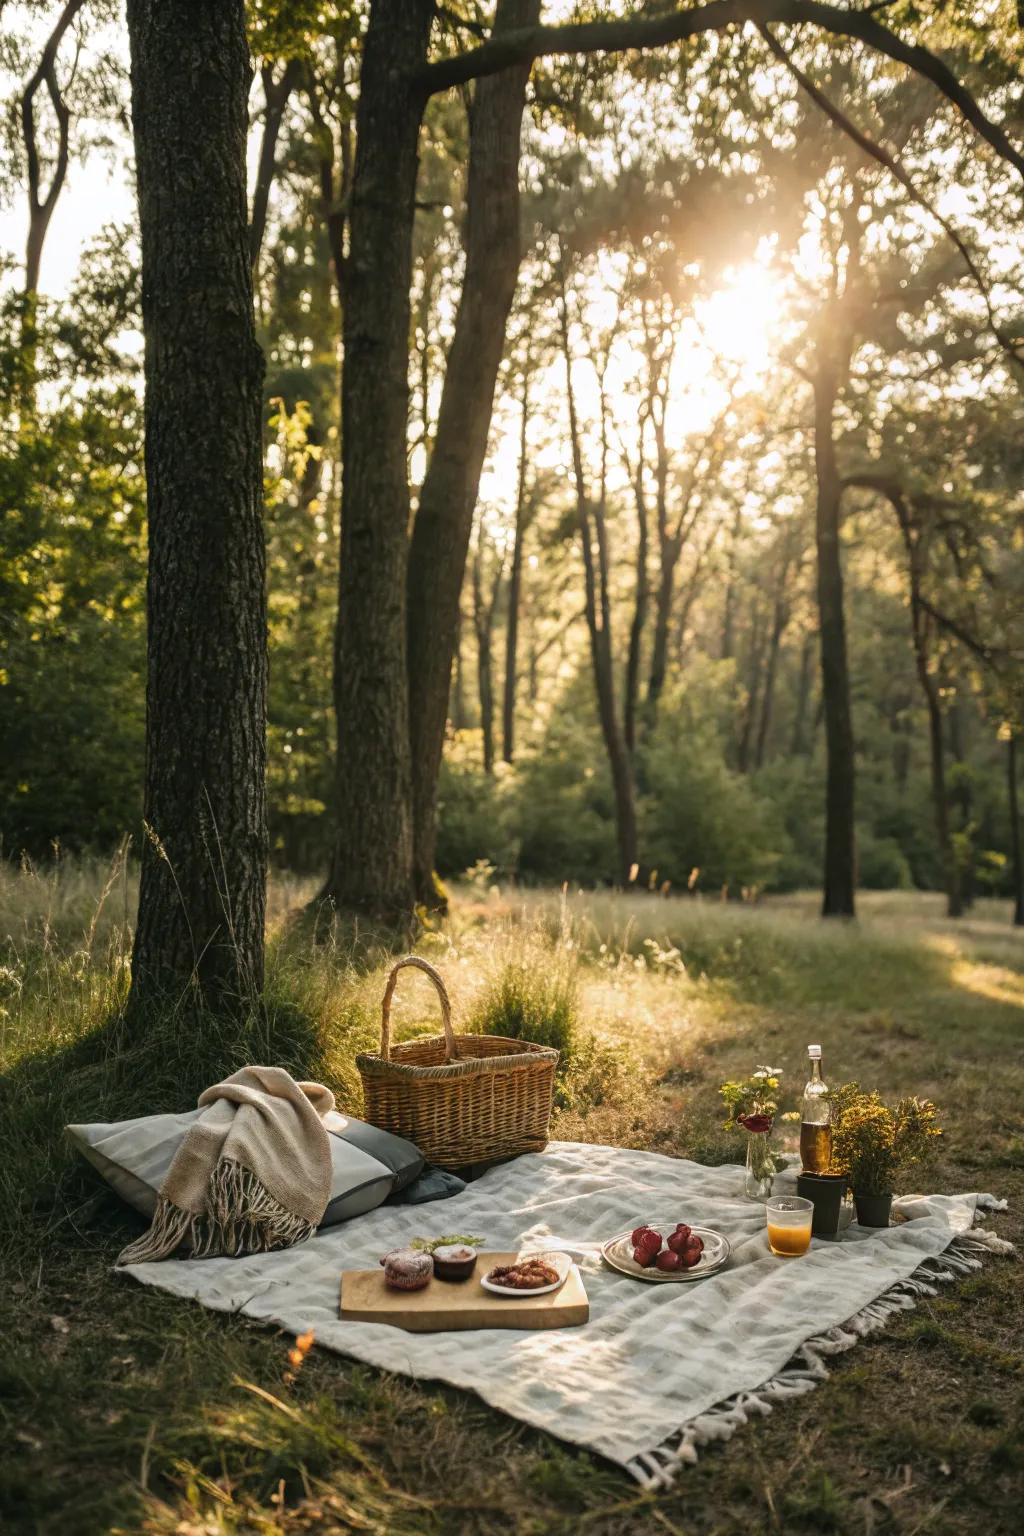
(752, 1108)
(872, 1143)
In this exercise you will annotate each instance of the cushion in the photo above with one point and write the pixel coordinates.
(134, 1155)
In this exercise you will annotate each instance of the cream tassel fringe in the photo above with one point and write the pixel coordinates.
(658, 1468)
(241, 1217)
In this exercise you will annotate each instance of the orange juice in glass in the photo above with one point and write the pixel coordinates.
(789, 1225)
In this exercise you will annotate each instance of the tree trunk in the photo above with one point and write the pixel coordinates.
(840, 869)
(444, 519)
(1017, 858)
(515, 587)
(371, 870)
(636, 628)
(276, 94)
(746, 731)
(962, 799)
(457, 703)
(920, 629)
(727, 647)
(598, 615)
(334, 187)
(780, 618)
(483, 624)
(798, 744)
(203, 887)
(40, 204)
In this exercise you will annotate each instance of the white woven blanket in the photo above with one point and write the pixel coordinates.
(658, 1370)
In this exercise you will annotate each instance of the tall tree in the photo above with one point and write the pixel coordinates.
(592, 524)
(41, 203)
(202, 895)
(372, 864)
(371, 868)
(444, 519)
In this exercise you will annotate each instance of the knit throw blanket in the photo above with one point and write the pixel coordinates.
(253, 1173)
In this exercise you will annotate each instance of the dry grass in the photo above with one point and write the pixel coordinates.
(123, 1409)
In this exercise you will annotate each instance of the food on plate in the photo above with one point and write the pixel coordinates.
(527, 1275)
(691, 1251)
(407, 1270)
(646, 1246)
(680, 1250)
(454, 1261)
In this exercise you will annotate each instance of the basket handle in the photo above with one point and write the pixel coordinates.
(442, 994)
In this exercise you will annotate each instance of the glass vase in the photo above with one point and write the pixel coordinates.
(757, 1182)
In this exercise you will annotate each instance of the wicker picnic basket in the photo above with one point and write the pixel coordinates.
(462, 1099)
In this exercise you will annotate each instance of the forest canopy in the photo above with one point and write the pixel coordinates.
(750, 301)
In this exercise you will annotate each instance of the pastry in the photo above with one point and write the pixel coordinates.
(529, 1275)
(407, 1270)
(454, 1261)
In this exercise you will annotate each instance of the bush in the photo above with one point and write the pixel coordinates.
(533, 999)
(881, 863)
(473, 814)
(699, 814)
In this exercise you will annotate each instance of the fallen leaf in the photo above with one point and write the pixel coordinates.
(60, 1324)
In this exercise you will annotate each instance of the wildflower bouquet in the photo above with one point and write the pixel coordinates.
(752, 1106)
(751, 1100)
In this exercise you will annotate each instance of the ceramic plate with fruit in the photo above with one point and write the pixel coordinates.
(665, 1253)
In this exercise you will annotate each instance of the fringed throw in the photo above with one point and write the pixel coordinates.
(252, 1174)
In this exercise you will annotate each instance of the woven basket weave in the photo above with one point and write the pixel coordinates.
(462, 1099)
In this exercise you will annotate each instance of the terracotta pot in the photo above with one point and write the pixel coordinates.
(872, 1210)
(825, 1192)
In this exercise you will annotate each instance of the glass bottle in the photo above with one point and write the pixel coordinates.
(815, 1119)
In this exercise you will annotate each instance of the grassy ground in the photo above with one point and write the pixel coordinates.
(121, 1409)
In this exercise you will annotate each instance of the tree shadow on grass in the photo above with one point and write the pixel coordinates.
(156, 1063)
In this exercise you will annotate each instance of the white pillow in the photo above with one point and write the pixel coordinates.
(367, 1164)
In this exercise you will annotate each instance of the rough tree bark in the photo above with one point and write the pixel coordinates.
(840, 857)
(276, 94)
(202, 897)
(444, 519)
(371, 868)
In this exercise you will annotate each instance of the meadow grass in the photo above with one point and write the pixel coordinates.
(122, 1409)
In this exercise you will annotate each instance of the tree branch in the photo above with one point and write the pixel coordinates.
(889, 162)
(643, 32)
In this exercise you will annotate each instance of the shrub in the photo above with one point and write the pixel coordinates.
(533, 1000)
(473, 814)
(699, 814)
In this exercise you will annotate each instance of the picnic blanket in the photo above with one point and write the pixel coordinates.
(659, 1370)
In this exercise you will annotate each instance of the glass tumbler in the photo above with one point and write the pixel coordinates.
(789, 1225)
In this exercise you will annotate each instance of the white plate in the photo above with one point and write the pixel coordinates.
(559, 1261)
(618, 1254)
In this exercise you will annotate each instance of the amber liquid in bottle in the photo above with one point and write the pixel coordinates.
(815, 1119)
(815, 1148)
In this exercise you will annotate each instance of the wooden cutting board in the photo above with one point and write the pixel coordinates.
(451, 1306)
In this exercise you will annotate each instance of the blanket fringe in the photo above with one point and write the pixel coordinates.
(658, 1468)
(241, 1216)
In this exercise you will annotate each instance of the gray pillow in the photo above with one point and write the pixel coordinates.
(367, 1165)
